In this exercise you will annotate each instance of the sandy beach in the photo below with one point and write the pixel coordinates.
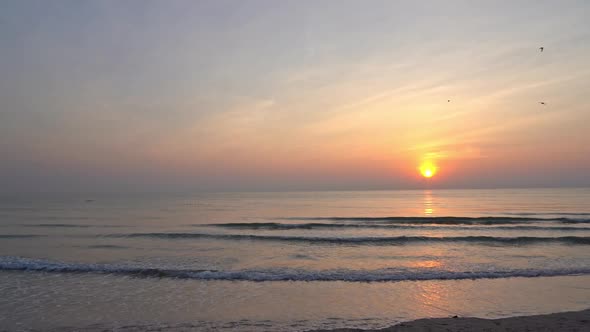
(574, 321)
(565, 321)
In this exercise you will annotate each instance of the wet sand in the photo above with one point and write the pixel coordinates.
(578, 321)
(566, 321)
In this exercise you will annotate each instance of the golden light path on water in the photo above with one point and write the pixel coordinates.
(428, 203)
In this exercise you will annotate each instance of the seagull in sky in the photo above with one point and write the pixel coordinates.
(541, 48)
(542, 103)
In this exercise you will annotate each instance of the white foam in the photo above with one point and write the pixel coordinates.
(8, 263)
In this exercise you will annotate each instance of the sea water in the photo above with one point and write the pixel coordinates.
(290, 261)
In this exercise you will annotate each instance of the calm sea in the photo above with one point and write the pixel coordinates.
(290, 261)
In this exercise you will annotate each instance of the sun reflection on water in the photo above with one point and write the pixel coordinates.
(435, 297)
(428, 203)
(427, 264)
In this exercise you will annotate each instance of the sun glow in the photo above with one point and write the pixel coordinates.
(427, 169)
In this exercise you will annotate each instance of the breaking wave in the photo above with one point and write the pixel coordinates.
(449, 220)
(395, 240)
(281, 226)
(8, 263)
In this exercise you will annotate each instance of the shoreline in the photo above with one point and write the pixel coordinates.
(563, 321)
(571, 321)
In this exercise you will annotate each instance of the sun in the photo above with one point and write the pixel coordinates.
(427, 169)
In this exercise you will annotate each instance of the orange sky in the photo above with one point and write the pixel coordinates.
(294, 95)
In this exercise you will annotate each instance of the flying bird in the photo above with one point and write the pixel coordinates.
(541, 48)
(542, 103)
(448, 101)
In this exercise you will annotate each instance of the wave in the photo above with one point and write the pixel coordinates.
(396, 240)
(57, 225)
(106, 246)
(281, 226)
(548, 213)
(18, 236)
(447, 220)
(69, 226)
(8, 263)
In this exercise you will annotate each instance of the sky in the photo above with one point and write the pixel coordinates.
(293, 95)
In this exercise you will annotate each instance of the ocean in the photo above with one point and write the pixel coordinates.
(289, 261)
